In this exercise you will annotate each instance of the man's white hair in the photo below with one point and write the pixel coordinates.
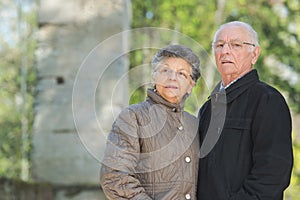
(249, 29)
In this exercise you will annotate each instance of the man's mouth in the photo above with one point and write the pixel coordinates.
(226, 62)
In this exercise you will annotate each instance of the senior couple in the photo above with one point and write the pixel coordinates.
(239, 147)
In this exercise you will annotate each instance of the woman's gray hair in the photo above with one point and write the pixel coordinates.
(179, 51)
(252, 33)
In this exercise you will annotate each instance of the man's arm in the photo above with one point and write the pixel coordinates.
(272, 153)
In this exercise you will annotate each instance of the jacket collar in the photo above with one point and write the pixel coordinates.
(155, 97)
(238, 87)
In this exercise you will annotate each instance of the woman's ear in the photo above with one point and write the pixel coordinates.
(154, 78)
(190, 89)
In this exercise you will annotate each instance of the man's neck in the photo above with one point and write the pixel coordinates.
(229, 80)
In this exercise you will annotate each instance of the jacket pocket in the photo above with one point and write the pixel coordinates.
(239, 124)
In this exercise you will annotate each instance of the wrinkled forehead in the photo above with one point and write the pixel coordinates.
(233, 32)
(175, 62)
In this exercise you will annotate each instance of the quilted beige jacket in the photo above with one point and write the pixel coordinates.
(152, 152)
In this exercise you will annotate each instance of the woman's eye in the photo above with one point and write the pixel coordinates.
(182, 74)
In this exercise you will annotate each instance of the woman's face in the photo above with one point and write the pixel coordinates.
(172, 78)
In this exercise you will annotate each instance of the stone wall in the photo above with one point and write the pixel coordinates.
(69, 31)
(12, 189)
(20, 190)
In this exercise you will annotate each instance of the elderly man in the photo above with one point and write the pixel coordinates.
(245, 126)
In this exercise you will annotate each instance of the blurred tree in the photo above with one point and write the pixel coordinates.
(278, 26)
(17, 80)
(276, 21)
(181, 16)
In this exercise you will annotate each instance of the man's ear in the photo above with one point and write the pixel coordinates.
(256, 53)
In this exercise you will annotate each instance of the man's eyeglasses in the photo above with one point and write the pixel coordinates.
(233, 45)
(167, 72)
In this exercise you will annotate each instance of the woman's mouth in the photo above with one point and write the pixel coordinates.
(171, 87)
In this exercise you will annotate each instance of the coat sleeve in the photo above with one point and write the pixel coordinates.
(272, 152)
(117, 174)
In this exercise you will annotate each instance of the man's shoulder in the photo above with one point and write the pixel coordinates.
(263, 88)
(263, 91)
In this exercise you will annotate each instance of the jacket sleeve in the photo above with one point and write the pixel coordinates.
(272, 152)
(117, 174)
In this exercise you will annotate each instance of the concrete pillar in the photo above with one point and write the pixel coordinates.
(72, 58)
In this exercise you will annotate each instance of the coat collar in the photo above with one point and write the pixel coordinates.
(155, 97)
(238, 87)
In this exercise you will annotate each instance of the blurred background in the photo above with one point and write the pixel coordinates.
(58, 55)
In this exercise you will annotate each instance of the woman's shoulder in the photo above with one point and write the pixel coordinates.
(136, 111)
(139, 107)
(190, 117)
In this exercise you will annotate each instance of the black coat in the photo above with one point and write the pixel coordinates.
(252, 158)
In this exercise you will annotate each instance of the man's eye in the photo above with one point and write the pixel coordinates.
(219, 45)
(236, 45)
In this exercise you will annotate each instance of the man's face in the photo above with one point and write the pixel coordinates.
(234, 52)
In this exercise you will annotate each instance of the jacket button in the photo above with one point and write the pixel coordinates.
(187, 196)
(180, 128)
(187, 159)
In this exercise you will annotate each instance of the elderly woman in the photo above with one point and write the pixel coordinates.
(152, 150)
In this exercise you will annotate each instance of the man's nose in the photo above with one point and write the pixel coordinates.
(226, 48)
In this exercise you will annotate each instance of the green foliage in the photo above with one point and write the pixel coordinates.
(293, 191)
(182, 16)
(9, 117)
(137, 96)
(278, 26)
(16, 63)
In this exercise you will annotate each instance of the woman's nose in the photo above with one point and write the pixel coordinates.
(173, 75)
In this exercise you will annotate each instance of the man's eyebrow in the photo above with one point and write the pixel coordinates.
(236, 39)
